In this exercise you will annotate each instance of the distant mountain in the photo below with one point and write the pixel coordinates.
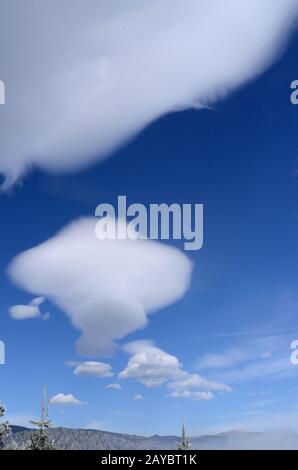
(88, 439)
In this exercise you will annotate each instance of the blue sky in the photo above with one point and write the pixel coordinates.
(235, 323)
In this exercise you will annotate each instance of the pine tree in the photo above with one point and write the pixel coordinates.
(4, 427)
(185, 444)
(39, 438)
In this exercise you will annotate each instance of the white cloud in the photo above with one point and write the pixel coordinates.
(149, 365)
(97, 369)
(138, 397)
(153, 367)
(32, 310)
(106, 287)
(192, 381)
(194, 395)
(93, 77)
(23, 312)
(114, 386)
(62, 399)
(255, 346)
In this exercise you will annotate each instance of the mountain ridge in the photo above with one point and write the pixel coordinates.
(93, 439)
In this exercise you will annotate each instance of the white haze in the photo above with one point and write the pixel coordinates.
(237, 440)
(84, 76)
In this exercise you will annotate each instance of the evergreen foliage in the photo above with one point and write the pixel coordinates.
(39, 439)
(4, 427)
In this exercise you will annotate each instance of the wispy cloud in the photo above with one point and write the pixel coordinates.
(257, 404)
(206, 396)
(262, 421)
(114, 386)
(256, 356)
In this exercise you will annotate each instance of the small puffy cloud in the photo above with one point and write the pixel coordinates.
(153, 367)
(62, 399)
(114, 386)
(32, 310)
(88, 87)
(106, 287)
(97, 369)
(149, 365)
(23, 312)
(138, 397)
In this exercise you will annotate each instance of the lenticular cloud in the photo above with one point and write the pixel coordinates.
(84, 76)
(106, 287)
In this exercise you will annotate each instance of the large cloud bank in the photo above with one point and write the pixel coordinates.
(154, 367)
(106, 287)
(83, 77)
